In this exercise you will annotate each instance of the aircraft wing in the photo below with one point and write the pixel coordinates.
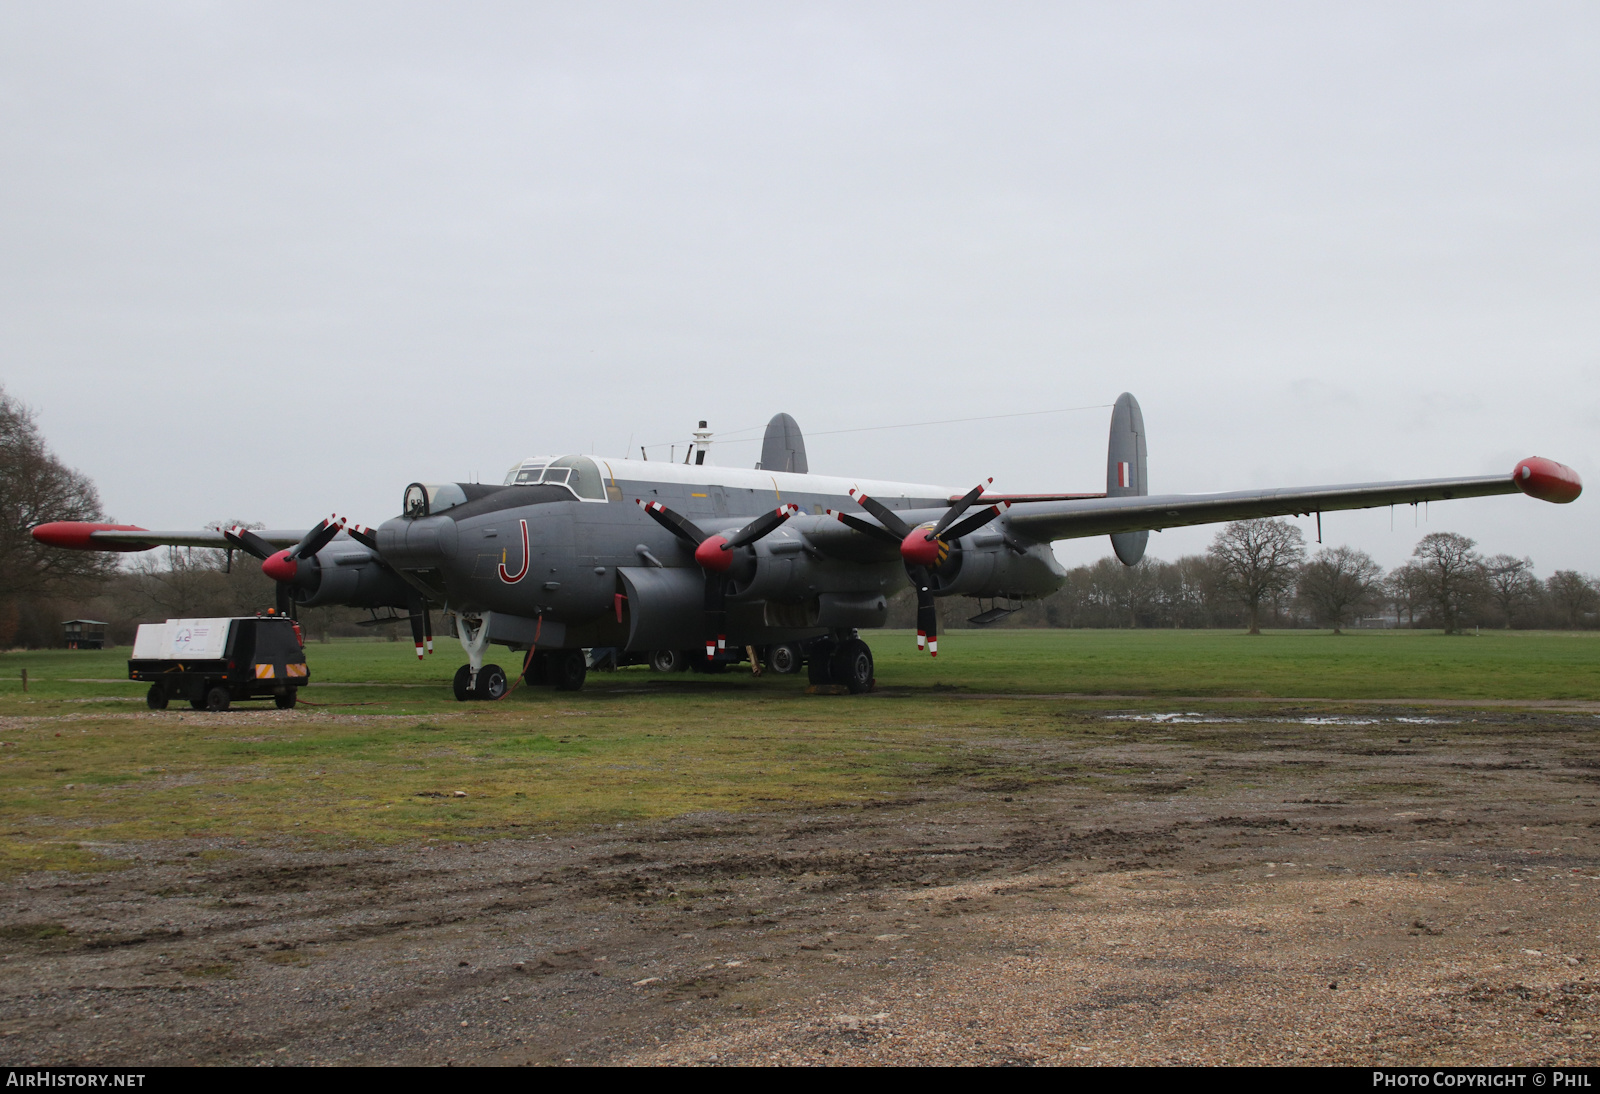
(87, 536)
(1052, 520)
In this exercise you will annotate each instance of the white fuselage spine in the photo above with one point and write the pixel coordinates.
(781, 486)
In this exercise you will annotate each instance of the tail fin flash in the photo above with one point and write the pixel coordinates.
(1125, 471)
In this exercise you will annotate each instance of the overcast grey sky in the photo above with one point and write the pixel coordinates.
(273, 261)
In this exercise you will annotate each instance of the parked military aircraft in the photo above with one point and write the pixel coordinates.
(693, 561)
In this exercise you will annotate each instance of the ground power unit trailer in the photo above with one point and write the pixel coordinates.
(214, 663)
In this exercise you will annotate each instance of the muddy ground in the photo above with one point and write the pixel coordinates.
(1275, 888)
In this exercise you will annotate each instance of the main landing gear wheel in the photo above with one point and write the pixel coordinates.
(156, 697)
(462, 684)
(784, 658)
(217, 699)
(286, 701)
(491, 682)
(568, 670)
(668, 661)
(819, 669)
(852, 666)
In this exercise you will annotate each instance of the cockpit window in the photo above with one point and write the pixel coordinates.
(527, 472)
(579, 474)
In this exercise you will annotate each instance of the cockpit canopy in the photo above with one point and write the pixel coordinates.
(577, 473)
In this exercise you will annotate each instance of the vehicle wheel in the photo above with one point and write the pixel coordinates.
(784, 658)
(491, 682)
(217, 699)
(569, 669)
(461, 685)
(286, 701)
(667, 661)
(156, 697)
(852, 666)
(819, 667)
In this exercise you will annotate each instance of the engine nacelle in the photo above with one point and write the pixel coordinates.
(781, 570)
(346, 573)
(985, 565)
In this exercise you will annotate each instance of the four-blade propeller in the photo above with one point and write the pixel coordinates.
(284, 566)
(924, 549)
(714, 553)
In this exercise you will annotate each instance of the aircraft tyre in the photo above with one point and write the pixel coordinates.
(852, 666)
(156, 697)
(784, 658)
(491, 682)
(286, 700)
(668, 661)
(461, 684)
(537, 671)
(819, 668)
(217, 699)
(568, 670)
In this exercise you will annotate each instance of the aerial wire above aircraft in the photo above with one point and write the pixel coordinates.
(700, 565)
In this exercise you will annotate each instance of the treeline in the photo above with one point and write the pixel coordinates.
(42, 586)
(1256, 573)
(1260, 574)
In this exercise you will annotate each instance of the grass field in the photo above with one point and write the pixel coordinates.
(1298, 663)
(85, 769)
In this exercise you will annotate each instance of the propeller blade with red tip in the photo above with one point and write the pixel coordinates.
(976, 521)
(680, 526)
(927, 613)
(762, 526)
(716, 614)
(250, 543)
(316, 539)
(960, 506)
(874, 530)
(886, 516)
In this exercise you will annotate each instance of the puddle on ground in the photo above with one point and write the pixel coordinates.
(1197, 718)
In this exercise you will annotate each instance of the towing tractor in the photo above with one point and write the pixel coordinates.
(214, 663)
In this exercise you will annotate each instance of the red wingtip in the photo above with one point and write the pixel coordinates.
(75, 535)
(1547, 480)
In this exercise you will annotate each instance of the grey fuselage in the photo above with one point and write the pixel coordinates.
(599, 571)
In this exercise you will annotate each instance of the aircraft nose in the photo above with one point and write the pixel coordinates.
(417, 543)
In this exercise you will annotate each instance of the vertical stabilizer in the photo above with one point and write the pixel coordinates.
(784, 449)
(1125, 471)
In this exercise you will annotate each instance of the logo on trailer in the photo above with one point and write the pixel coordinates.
(506, 575)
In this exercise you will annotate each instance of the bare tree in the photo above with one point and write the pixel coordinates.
(1404, 586)
(1511, 583)
(1573, 594)
(1451, 575)
(35, 487)
(1256, 560)
(1337, 583)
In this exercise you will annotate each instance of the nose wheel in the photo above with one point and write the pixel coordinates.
(490, 684)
